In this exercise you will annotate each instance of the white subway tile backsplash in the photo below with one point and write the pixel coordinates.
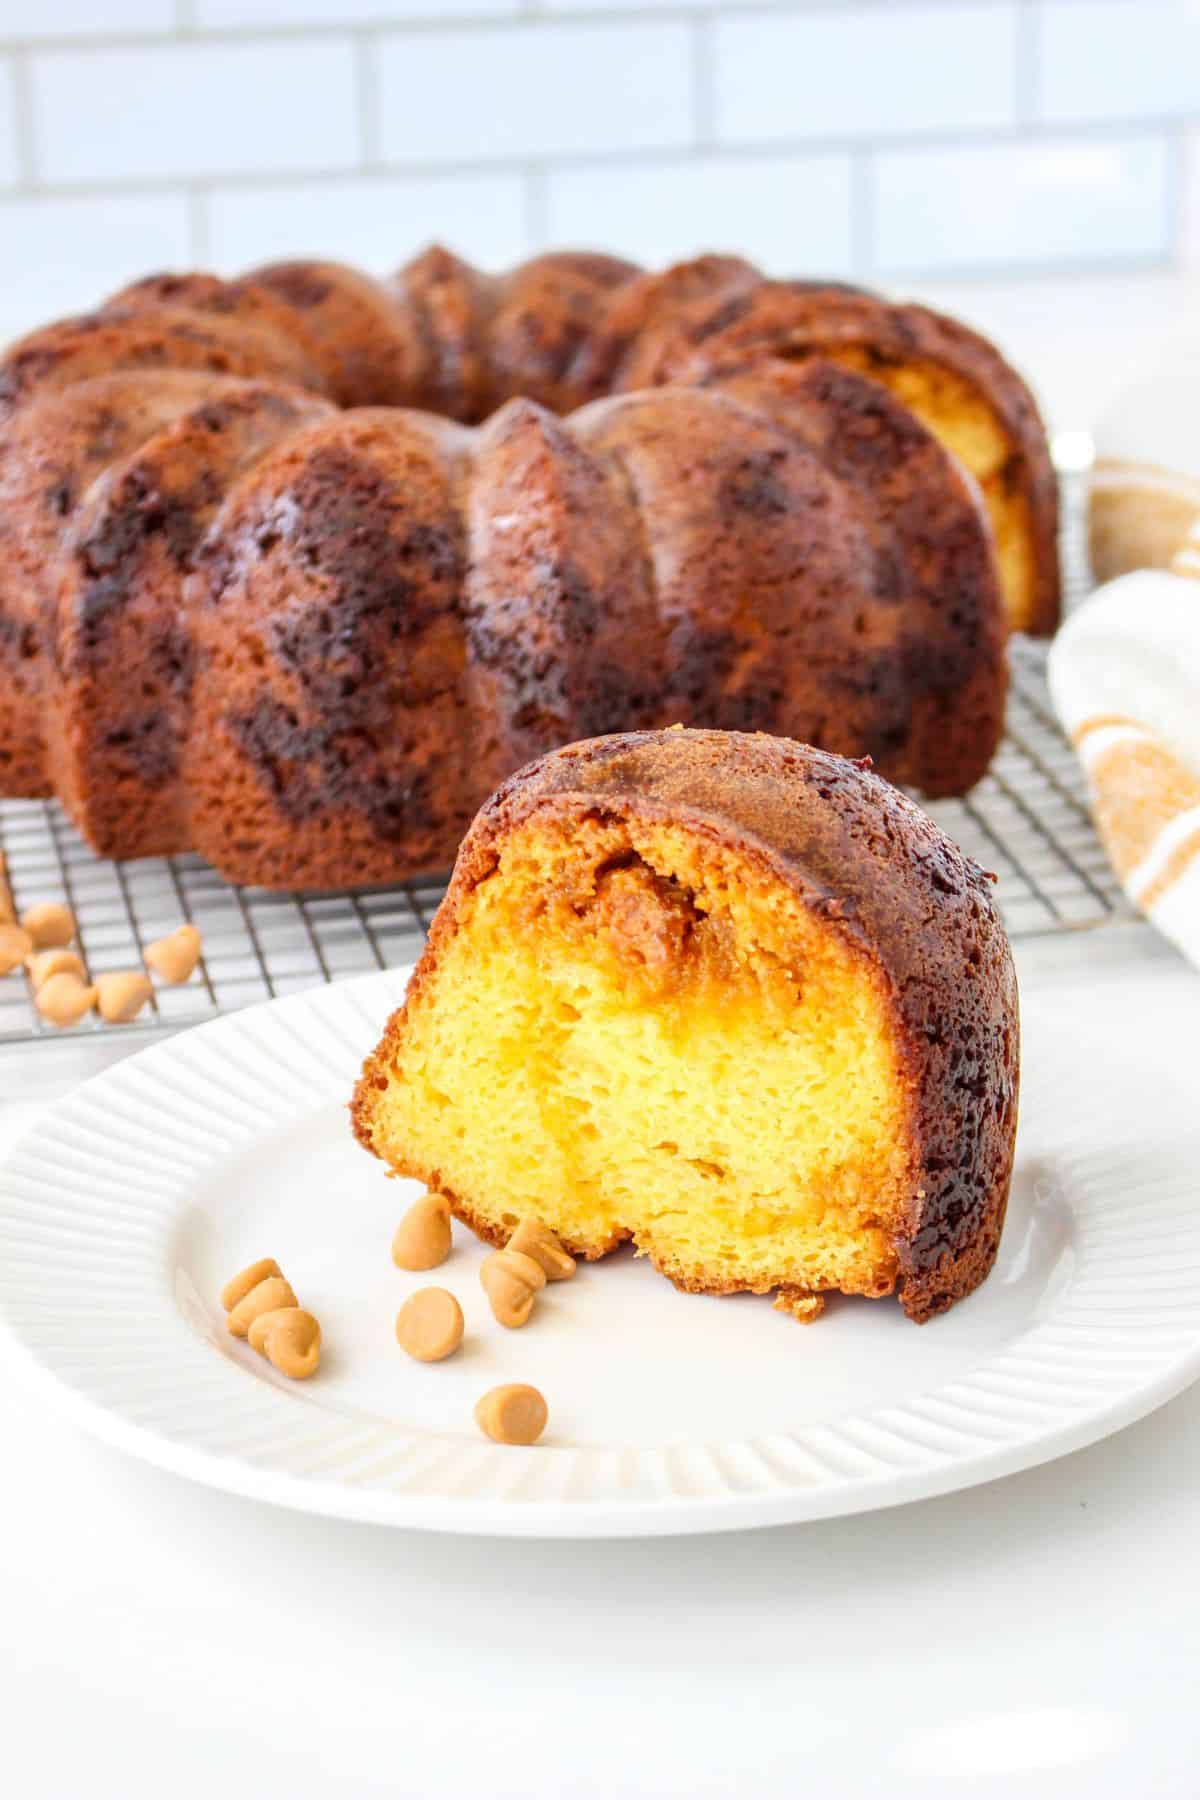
(1083, 201)
(222, 15)
(376, 224)
(124, 114)
(951, 141)
(865, 72)
(82, 18)
(793, 214)
(1118, 59)
(534, 90)
(65, 255)
(10, 168)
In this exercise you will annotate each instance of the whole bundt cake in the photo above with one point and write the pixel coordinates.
(295, 568)
(731, 997)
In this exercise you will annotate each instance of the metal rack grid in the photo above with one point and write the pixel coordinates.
(1027, 820)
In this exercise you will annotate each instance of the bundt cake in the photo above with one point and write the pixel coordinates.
(731, 997)
(295, 568)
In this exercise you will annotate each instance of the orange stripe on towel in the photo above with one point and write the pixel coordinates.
(1139, 788)
(1179, 861)
(1101, 722)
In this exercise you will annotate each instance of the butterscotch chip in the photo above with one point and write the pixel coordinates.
(422, 1239)
(15, 946)
(511, 1280)
(290, 1338)
(514, 1414)
(268, 1296)
(534, 1239)
(64, 999)
(42, 964)
(121, 997)
(429, 1326)
(49, 925)
(173, 958)
(239, 1285)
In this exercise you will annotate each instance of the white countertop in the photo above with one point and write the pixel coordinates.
(1038, 1635)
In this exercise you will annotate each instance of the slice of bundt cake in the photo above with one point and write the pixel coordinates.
(728, 996)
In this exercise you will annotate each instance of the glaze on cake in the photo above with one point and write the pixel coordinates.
(726, 995)
(295, 568)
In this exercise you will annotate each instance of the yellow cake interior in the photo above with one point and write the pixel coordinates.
(635, 1033)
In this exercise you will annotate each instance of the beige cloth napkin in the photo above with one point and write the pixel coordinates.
(1125, 678)
(1144, 488)
(1125, 668)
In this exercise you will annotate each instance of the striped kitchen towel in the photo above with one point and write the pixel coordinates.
(1125, 678)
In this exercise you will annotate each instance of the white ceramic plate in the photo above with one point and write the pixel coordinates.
(122, 1215)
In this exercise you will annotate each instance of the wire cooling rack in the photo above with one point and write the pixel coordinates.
(1027, 820)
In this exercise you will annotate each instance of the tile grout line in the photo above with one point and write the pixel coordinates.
(535, 205)
(704, 82)
(196, 201)
(862, 213)
(1027, 65)
(23, 121)
(370, 111)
